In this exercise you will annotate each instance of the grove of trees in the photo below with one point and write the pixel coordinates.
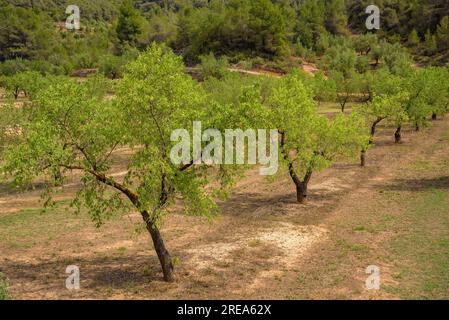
(53, 125)
(66, 126)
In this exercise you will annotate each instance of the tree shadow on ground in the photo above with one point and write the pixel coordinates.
(95, 272)
(419, 184)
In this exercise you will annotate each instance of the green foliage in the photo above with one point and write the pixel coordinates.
(431, 43)
(28, 83)
(442, 34)
(413, 38)
(342, 60)
(229, 89)
(213, 67)
(161, 26)
(235, 28)
(10, 67)
(113, 66)
(364, 43)
(324, 89)
(399, 16)
(346, 85)
(25, 33)
(311, 142)
(72, 127)
(130, 23)
(249, 26)
(387, 107)
(429, 89)
(396, 59)
(362, 64)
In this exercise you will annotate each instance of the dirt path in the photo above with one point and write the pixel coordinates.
(263, 245)
(365, 225)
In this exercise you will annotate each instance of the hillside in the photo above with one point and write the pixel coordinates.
(245, 31)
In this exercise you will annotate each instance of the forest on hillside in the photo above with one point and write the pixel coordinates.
(33, 37)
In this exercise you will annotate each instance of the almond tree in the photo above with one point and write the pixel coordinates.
(381, 108)
(310, 142)
(346, 86)
(419, 86)
(71, 127)
(438, 95)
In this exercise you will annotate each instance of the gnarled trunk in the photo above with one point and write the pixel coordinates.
(371, 140)
(398, 135)
(301, 185)
(344, 102)
(159, 245)
(162, 252)
(301, 193)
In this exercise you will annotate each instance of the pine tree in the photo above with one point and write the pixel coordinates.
(443, 33)
(431, 43)
(413, 38)
(129, 25)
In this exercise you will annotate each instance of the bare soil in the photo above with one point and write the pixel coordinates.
(263, 245)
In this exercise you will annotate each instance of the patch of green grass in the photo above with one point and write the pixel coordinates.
(122, 250)
(359, 228)
(422, 165)
(147, 271)
(355, 247)
(254, 243)
(4, 287)
(422, 249)
(26, 228)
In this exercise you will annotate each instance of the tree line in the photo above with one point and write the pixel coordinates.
(33, 36)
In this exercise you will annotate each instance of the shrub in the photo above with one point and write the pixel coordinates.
(112, 66)
(10, 67)
(213, 67)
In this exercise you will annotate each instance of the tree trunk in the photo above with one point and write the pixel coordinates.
(162, 252)
(434, 116)
(302, 186)
(373, 128)
(398, 135)
(417, 127)
(371, 140)
(301, 193)
(343, 103)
